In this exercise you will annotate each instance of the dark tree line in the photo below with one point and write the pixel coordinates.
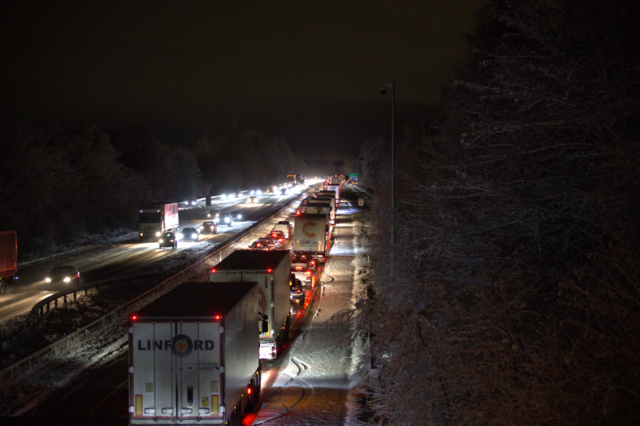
(244, 159)
(513, 293)
(64, 181)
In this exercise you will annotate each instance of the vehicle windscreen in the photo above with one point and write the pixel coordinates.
(208, 224)
(149, 217)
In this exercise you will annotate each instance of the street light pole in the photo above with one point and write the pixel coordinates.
(383, 90)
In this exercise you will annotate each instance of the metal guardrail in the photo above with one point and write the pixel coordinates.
(120, 314)
(39, 308)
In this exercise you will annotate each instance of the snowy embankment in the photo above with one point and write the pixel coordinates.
(316, 387)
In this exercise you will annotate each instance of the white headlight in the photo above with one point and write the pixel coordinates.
(223, 197)
(194, 235)
(252, 192)
(67, 279)
(161, 240)
(193, 203)
(48, 279)
(158, 234)
(226, 219)
(259, 192)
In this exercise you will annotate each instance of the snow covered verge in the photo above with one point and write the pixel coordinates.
(317, 385)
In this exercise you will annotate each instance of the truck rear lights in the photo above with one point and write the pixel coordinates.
(217, 317)
(213, 270)
(134, 317)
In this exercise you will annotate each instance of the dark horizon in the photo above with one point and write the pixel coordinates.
(311, 73)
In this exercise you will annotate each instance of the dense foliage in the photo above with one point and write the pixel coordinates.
(60, 182)
(512, 295)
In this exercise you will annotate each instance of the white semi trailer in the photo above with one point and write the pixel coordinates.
(271, 270)
(194, 356)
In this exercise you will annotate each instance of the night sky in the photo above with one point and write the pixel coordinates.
(309, 70)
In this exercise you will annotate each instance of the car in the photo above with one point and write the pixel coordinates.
(296, 292)
(304, 202)
(285, 227)
(302, 270)
(214, 215)
(262, 245)
(227, 219)
(168, 239)
(252, 199)
(63, 275)
(208, 227)
(277, 237)
(236, 215)
(311, 262)
(189, 234)
(267, 241)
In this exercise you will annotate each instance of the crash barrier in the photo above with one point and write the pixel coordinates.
(39, 308)
(119, 315)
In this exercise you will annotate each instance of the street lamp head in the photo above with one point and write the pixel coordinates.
(383, 89)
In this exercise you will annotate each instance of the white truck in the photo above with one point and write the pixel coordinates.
(311, 236)
(332, 189)
(270, 269)
(193, 356)
(157, 218)
(331, 201)
(335, 180)
(318, 208)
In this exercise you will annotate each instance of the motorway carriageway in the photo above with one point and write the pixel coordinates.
(106, 261)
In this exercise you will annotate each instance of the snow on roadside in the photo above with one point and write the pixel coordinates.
(316, 383)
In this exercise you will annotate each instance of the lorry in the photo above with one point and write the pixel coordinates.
(193, 356)
(335, 189)
(157, 218)
(8, 259)
(318, 208)
(270, 269)
(311, 236)
(328, 200)
(335, 180)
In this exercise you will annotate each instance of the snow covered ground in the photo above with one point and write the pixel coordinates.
(315, 386)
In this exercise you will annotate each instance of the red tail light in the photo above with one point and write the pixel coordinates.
(269, 270)
(308, 272)
(213, 270)
(217, 317)
(135, 317)
(249, 390)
